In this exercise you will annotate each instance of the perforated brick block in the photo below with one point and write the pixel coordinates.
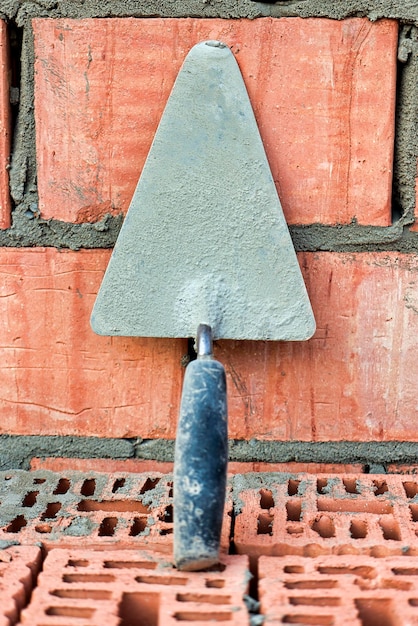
(91, 509)
(19, 566)
(339, 590)
(135, 588)
(323, 93)
(5, 128)
(279, 514)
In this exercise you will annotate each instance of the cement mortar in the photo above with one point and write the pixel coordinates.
(17, 451)
(28, 230)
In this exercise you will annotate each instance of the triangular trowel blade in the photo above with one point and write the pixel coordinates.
(205, 239)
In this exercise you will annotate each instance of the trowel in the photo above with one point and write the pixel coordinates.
(204, 252)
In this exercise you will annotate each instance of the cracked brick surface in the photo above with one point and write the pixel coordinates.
(309, 515)
(339, 590)
(19, 566)
(90, 509)
(135, 588)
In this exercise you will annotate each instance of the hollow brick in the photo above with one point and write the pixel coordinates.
(339, 590)
(135, 587)
(354, 380)
(19, 566)
(315, 86)
(5, 127)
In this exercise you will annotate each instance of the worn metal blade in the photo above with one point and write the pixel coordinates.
(205, 239)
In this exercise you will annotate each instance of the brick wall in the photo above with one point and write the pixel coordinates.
(336, 114)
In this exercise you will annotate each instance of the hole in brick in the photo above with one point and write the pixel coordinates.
(30, 498)
(414, 512)
(405, 571)
(167, 515)
(149, 484)
(36, 481)
(293, 487)
(215, 583)
(88, 578)
(350, 485)
(294, 510)
(117, 506)
(51, 510)
(266, 499)
(107, 527)
(16, 525)
(413, 601)
(265, 524)
(390, 529)
(170, 491)
(161, 580)
(294, 569)
(118, 484)
(70, 611)
(138, 526)
(352, 505)
(130, 564)
(375, 612)
(88, 487)
(309, 620)
(78, 563)
(139, 609)
(311, 584)
(396, 583)
(364, 571)
(294, 529)
(358, 529)
(201, 597)
(62, 486)
(197, 616)
(82, 594)
(314, 601)
(380, 487)
(166, 531)
(324, 526)
(411, 489)
(43, 528)
(321, 485)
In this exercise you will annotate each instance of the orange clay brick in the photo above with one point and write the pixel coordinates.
(89, 509)
(316, 87)
(19, 566)
(354, 380)
(5, 127)
(305, 515)
(138, 588)
(339, 590)
(138, 465)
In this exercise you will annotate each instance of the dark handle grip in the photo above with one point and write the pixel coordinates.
(200, 465)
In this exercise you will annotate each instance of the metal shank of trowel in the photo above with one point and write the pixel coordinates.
(200, 462)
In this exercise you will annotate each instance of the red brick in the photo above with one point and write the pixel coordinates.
(138, 465)
(57, 376)
(133, 587)
(5, 128)
(339, 590)
(315, 86)
(19, 566)
(92, 510)
(305, 515)
(354, 380)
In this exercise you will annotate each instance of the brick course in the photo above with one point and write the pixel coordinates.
(315, 86)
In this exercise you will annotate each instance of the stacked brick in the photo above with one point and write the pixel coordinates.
(19, 567)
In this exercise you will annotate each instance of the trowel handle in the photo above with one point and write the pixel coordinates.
(200, 463)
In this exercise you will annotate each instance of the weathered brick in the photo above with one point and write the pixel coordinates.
(135, 588)
(5, 127)
(305, 515)
(91, 510)
(19, 566)
(339, 590)
(354, 380)
(58, 464)
(315, 86)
